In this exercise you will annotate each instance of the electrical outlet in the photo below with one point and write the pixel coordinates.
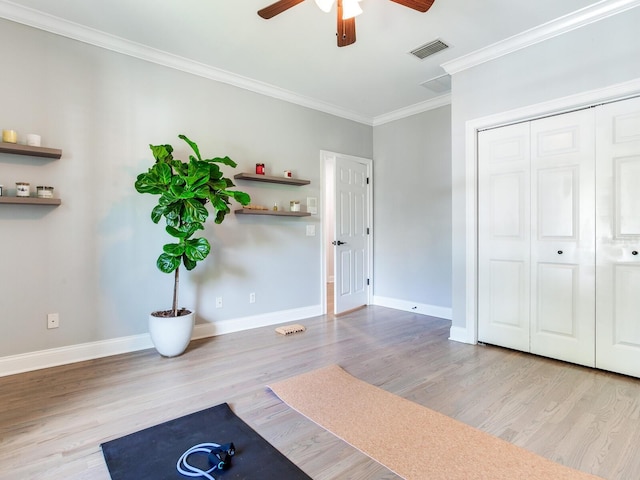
(311, 230)
(252, 297)
(218, 302)
(53, 320)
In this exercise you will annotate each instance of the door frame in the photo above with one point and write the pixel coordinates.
(327, 157)
(469, 333)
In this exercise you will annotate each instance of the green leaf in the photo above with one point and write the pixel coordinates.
(193, 146)
(161, 153)
(180, 192)
(194, 211)
(167, 263)
(177, 233)
(197, 182)
(224, 160)
(157, 212)
(174, 249)
(240, 197)
(202, 192)
(192, 228)
(188, 263)
(218, 203)
(164, 173)
(172, 214)
(145, 184)
(217, 185)
(220, 214)
(198, 173)
(181, 168)
(178, 180)
(214, 172)
(197, 249)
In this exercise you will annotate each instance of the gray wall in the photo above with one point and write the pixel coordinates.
(593, 57)
(92, 259)
(412, 209)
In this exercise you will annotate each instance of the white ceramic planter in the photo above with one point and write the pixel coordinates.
(171, 335)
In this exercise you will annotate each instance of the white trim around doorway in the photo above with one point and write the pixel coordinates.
(326, 157)
(469, 333)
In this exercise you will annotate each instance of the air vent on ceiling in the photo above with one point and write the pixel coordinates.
(429, 49)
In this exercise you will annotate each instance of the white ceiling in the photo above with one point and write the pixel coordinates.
(295, 53)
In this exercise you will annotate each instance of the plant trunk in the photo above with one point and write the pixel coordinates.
(175, 292)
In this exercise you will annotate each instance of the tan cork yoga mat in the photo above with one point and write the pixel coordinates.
(411, 440)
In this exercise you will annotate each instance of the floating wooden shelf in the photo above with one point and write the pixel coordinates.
(252, 211)
(254, 177)
(31, 151)
(30, 200)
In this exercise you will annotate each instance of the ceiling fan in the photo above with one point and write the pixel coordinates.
(347, 10)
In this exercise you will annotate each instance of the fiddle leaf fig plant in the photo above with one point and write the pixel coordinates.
(185, 188)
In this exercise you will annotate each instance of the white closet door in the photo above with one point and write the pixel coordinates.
(618, 237)
(562, 237)
(504, 236)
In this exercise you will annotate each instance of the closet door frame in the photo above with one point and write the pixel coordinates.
(469, 333)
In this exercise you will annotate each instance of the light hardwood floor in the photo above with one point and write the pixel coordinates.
(52, 421)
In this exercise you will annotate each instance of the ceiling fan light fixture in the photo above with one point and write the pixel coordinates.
(325, 5)
(350, 9)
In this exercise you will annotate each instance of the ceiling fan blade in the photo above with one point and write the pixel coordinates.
(419, 5)
(346, 28)
(278, 7)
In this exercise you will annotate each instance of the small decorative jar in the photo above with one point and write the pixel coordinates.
(287, 173)
(294, 205)
(260, 168)
(23, 189)
(9, 136)
(33, 140)
(44, 191)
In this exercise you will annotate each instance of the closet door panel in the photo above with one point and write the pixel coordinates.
(558, 194)
(627, 201)
(562, 244)
(558, 287)
(504, 236)
(618, 237)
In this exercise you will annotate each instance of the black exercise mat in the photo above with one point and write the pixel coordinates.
(153, 453)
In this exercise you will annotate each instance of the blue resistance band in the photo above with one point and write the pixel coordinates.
(188, 470)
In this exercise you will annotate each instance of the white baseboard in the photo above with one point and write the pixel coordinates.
(203, 330)
(460, 334)
(421, 308)
(53, 357)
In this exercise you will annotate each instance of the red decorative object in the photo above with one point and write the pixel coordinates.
(260, 168)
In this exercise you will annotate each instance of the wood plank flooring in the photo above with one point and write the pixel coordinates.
(52, 421)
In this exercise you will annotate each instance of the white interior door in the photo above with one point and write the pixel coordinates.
(563, 237)
(618, 237)
(504, 236)
(351, 243)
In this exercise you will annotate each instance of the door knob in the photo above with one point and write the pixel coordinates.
(635, 252)
(559, 252)
(338, 242)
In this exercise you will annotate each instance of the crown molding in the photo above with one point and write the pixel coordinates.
(43, 21)
(421, 107)
(579, 18)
